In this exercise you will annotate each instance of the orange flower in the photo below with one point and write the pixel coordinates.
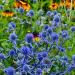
(54, 6)
(26, 6)
(22, 4)
(7, 13)
(17, 4)
(68, 4)
(61, 4)
(68, 0)
(74, 4)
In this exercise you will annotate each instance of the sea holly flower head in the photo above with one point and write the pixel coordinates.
(1, 7)
(60, 48)
(2, 56)
(73, 28)
(56, 18)
(49, 30)
(48, 13)
(25, 50)
(54, 37)
(73, 58)
(46, 26)
(30, 13)
(12, 53)
(11, 26)
(29, 37)
(9, 71)
(26, 68)
(21, 10)
(65, 34)
(13, 37)
(39, 71)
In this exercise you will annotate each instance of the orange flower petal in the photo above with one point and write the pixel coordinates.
(22, 2)
(17, 4)
(54, 6)
(26, 6)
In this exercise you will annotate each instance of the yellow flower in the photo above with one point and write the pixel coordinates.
(54, 6)
(7, 13)
(36, 39)
(68, 4)
(61, 3)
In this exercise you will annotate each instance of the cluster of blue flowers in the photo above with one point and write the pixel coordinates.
(48, 56)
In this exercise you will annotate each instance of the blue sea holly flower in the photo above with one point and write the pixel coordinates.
(56, 18)
(49, 30)
(26, 68)
(73, 28)
(32, 72)
(65, 34)
(48, 13)
(30, 13)
(1, 7)
(73, 58)
(25, 50)
(54, 37)
(71, 67)
(53, 73)
(11, 25)
(55, 12)
(21, 10)
(29, 37)
(39, 56)
(44, 54)
(24, 60)
(13, 37)
(39, 71)
(12, 53)
(52, 15)
(60, 48)
(46, 62)
(42, 35)
(2, 56)
(9, 71)
(55, 24)
(65, 58)
(46, 26)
